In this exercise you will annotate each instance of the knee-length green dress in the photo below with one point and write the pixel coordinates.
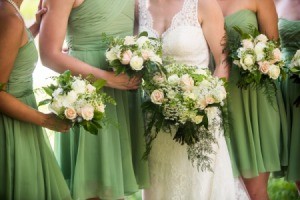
(290, 42)
(108, 165)
(257, 130)
(28, 168)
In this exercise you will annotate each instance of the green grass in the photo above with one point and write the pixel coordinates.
(279, 189)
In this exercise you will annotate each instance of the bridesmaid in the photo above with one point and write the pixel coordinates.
(289, 29)
(28, 169)
(108, 165)
(256, 126)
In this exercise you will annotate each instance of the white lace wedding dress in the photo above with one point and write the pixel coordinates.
(172, 175)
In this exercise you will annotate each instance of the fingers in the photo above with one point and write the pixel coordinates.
(40, 5)
(41, 12)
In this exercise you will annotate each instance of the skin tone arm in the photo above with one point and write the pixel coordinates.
(52, 34)
(11, 34)
(212, 20)
(267, 20)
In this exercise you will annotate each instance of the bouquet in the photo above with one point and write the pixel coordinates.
(133, 55)
(78, 100)
(258, 59)
(295, 72)
(188, 99)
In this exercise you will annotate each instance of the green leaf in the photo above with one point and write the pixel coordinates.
(98, 84)
(98, 115)
(48, 90)
(144, 33)
(44, 102)
(91, 128)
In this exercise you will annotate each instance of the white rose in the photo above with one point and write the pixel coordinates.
(157, 97)
(274, 72)
(171, 94)
(90, 88)
(248, 60)
(136, 63)
(190, 95)
(212, 113)
(262, 38)
(200, 71)
(197, 119)
(209, 99)
(87, 112)
(146, 54)
(264, 67)
(79, 86)
(158, 78)
(101, 108)
(126, 57)
(142, 40)
(69, 99)
(187, 82)
(156, 58)
(174, 79)
(57, 92)
(259, 51)
(55, 107)
(247, 44)
(111, 55)
(220, 93)
(201, 103)
(129, 40)
(70, 113)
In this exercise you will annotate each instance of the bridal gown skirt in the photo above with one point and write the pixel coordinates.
(174, 178)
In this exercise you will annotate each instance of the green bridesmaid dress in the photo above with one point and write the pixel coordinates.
(108, 165)
(290, 42)
(257, 130)
(28, 169)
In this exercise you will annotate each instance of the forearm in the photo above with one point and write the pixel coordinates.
(34, 29)
(61, 62)
(14, 108)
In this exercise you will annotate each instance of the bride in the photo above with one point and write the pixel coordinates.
(188, 29)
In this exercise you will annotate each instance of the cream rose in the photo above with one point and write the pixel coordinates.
(157, 97)
(259, 51)
(79, 86)
(142, 40)
(197, 119)
(209, 99)
(90, 88)
(126, 57)
(55, 107)
(264, 67)
(158, 78)
(136, 63)
(146, 54)
(276, 55)
(262, 38)
(69, 99)
(155, 58)
(187, 82)
(101, 108)
(201, 103)
(247, 44)
(129, 40)
(249, 60)
(70, 113)
(274, 72)
(87, 112)
(111, 55)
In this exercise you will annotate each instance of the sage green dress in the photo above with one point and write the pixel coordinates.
(108, 165)
(290, 42)
(257, 130)
(28, 169)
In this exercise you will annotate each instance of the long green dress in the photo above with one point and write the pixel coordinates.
(28, 169)
(257, 130)
(109, 165)
(290, 42)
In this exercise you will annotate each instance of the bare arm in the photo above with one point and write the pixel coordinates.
(211, 17)
(52, 34)
(267, 18)
(10, 42)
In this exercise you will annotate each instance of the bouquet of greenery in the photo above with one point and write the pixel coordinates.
(295, 72)
(187, 98)
(133, 55)
(79, 100)
(257, 58)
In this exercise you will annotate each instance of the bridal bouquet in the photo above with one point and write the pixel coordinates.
(258, 59)
(295, 71)
(78, 100)
(186, 98)
(133, 55)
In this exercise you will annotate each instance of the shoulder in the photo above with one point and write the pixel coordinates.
(209, 9)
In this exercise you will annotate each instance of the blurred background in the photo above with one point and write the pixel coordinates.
(278, 189)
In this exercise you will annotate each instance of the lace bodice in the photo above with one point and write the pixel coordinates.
(183, 40)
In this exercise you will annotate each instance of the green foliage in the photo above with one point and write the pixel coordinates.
(2, 87)
(279, 189)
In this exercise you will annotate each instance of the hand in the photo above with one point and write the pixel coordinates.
(122, 81)
(54, 123)
(41, 11)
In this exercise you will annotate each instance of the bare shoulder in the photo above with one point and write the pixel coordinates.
(264, 4)
(208, 6)
(12, 26)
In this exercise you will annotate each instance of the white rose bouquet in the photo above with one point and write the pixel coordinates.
(133, 55)
(78, 100)
(187, 98)
(295, 72)
(258, 59)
